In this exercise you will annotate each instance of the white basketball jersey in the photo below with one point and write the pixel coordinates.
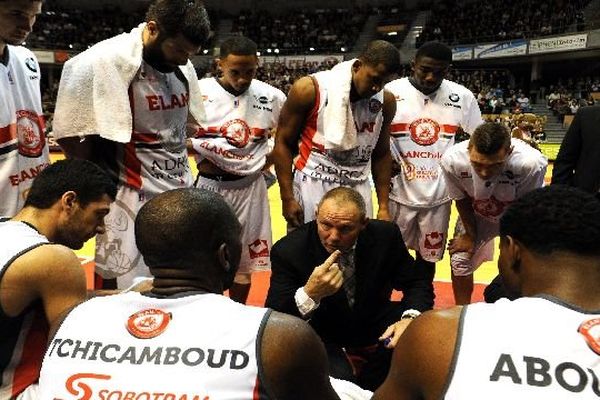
(422, 130)
(155, 160)
(234, 136)
(23, 337)
(197, 346)
(523, 171)
(344, 167)
(535, 348)
(23, 149)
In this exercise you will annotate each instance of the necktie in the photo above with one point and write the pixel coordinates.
(346, 262)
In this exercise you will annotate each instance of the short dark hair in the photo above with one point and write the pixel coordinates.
(83, 177)
(489, 137)
(188, 17)
(239, 46)
(345, 194)
(176, 225)
(555, 218)
(381, 52)
(436, 50)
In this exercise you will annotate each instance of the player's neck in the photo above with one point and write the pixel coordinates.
(3, 53)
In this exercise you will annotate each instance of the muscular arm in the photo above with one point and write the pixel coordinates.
(568, 154)
(381, 160)
(293, 116)
(294, 360)
(422, 358)
(50, 273)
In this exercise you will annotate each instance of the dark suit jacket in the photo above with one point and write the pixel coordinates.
(382, 263)
(578, 160)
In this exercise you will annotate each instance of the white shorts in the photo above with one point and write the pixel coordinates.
(249, 200)
(424, 230)
(308, 191)
(464, 264)
(117, 256)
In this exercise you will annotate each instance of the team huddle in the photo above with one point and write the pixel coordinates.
(129, 112)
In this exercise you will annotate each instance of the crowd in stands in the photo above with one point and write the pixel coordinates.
(566, 96)
(74, 29)
(498, 20)
(302, 32)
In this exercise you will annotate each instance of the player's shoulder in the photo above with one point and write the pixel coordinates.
(525, 157)
(457, 89)
(208, 83)
(21, 52)
(260, 86)
(396, 84)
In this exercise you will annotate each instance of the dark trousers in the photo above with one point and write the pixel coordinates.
(365, 366)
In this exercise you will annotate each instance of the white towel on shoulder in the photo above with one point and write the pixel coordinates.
(93, 97)
(339, 130)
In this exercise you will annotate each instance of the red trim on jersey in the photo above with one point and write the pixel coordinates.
(257, 132)
(27, 371)
(402, 127)
(309, 131)
(133, 165)
(8, 133)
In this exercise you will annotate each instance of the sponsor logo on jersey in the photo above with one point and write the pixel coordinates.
(424, 131)
(454, 97)
(375, 106)
(422, 154)
(31, 64)
(26, 174)
(147, 324)
(30, 134)
(263, 99)
(87, 386)
(590, 330)
(434, 240)
(237, 132)
(258, 248)
(490, 208)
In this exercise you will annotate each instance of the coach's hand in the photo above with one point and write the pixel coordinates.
(326, 279)
(292, 212)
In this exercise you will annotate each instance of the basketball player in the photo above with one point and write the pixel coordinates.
(157, 83)
(483, 176)
(318, 167)
(429, 111)
(232, 147)
(184, 339)
(542, 346)
(40, 276)
(23, 149)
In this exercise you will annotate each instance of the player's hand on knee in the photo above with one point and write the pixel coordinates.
(292, 212)
(461, 244)
(326, 279)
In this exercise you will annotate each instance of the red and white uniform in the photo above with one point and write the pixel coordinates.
(234, 137)
(422, 131)
(133, 346)
(154, 161)
(533, 348)
(523, 171)
(23, 149)
(318, 169)
(22, 338)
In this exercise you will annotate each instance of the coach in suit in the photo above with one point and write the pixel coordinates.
(578, 160)
(338, 272)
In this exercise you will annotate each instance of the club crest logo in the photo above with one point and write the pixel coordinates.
(375, 106)
(590, 330)
(147, 324)
(30, 134)
(237, 132)
(434, 240)
(424, 131)
(489, 208)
